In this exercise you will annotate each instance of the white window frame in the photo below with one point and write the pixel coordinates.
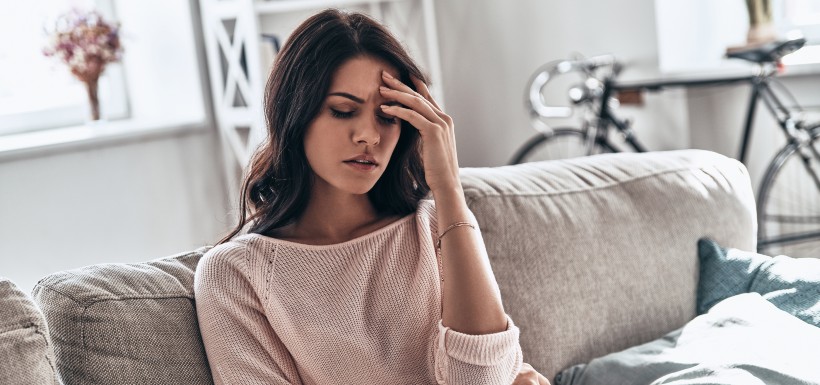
(74, 110)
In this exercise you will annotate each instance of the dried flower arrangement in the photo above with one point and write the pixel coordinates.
(86, 43)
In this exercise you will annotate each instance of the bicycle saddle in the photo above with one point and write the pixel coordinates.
(766, 52)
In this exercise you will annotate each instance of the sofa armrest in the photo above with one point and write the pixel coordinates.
(121, 323)
(26, 354)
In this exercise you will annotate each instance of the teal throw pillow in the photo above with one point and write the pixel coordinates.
(791, 284)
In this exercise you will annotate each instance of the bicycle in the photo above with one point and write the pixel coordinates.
(788, 201)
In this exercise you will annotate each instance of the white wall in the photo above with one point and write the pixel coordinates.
(490, 48)
(124, 202)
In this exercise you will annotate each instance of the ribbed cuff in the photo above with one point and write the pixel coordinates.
(485, 349)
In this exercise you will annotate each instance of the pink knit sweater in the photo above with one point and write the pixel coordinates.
(366, 311)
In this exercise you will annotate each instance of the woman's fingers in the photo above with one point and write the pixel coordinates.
(422, 88)
(405, 95)
(398, 86)
(411, 116)
(424, 91)
(413, 102)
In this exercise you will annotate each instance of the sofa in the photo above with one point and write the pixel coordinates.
(592, 255)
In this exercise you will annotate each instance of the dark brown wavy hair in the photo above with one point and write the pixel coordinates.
(277, 182)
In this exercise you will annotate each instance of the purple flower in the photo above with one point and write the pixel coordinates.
(85, 42)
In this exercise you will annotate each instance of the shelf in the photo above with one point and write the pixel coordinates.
(48, 142)
(279, 6)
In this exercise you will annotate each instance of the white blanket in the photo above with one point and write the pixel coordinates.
(741, 340)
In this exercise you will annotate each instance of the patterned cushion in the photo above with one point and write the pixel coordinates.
(126, 323)
(791, 284)
(26, 355)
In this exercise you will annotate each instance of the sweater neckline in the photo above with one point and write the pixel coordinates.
(359, 239)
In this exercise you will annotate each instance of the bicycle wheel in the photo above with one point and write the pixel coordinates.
(788, 212)
(563, 143)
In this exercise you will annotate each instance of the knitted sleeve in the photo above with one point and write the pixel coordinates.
(240, 345)
(494, 358)
(460, 358)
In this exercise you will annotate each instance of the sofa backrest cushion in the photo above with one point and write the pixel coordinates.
(126, 323)
(26, 354)
(593, 255)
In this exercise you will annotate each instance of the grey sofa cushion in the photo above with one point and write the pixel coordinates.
(126, 323)
(594, 255)
(26, 355)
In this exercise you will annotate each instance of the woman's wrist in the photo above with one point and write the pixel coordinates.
(451, 206)
(453, 192)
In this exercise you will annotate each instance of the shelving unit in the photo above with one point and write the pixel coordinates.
(238, 69)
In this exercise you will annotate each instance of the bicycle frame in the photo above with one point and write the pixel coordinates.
(606, 117)
(761, 90)
(596, 91)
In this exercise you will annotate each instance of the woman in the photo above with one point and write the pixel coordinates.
(338, 278)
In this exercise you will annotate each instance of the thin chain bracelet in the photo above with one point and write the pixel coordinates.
(438, 244)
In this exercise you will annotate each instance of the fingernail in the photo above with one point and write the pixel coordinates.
(384, 89)
(387, 75)
(384, 106)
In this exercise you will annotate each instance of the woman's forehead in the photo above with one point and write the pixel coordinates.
(362, 73)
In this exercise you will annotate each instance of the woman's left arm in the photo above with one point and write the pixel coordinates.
(471, 299)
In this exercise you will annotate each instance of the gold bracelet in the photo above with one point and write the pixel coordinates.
(454, 225)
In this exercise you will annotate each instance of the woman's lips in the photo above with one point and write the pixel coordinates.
(361, 166)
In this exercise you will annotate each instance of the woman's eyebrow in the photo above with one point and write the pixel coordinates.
(349, 96)
(360, 100)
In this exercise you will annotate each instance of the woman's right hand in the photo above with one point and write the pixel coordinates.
(436, 129)
(528, 376)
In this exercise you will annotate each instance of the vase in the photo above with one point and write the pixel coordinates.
(91, 86)
(761, 33)
(761, 26)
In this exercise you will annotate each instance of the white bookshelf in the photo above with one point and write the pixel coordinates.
(233, 26)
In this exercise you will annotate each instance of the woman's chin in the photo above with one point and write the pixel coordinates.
(350, 187)
(361, 190)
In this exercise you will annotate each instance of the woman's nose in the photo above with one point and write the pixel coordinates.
(367, 132)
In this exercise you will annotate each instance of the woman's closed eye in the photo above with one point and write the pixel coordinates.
(349, 114)
(341, 114)
(388, 120)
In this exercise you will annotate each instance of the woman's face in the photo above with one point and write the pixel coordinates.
(349, 125)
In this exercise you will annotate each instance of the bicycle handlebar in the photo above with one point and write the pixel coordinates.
(546, 72)
(590, 64)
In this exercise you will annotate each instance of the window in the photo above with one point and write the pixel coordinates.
(803, 15)
(684, 48)
(38, 92)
